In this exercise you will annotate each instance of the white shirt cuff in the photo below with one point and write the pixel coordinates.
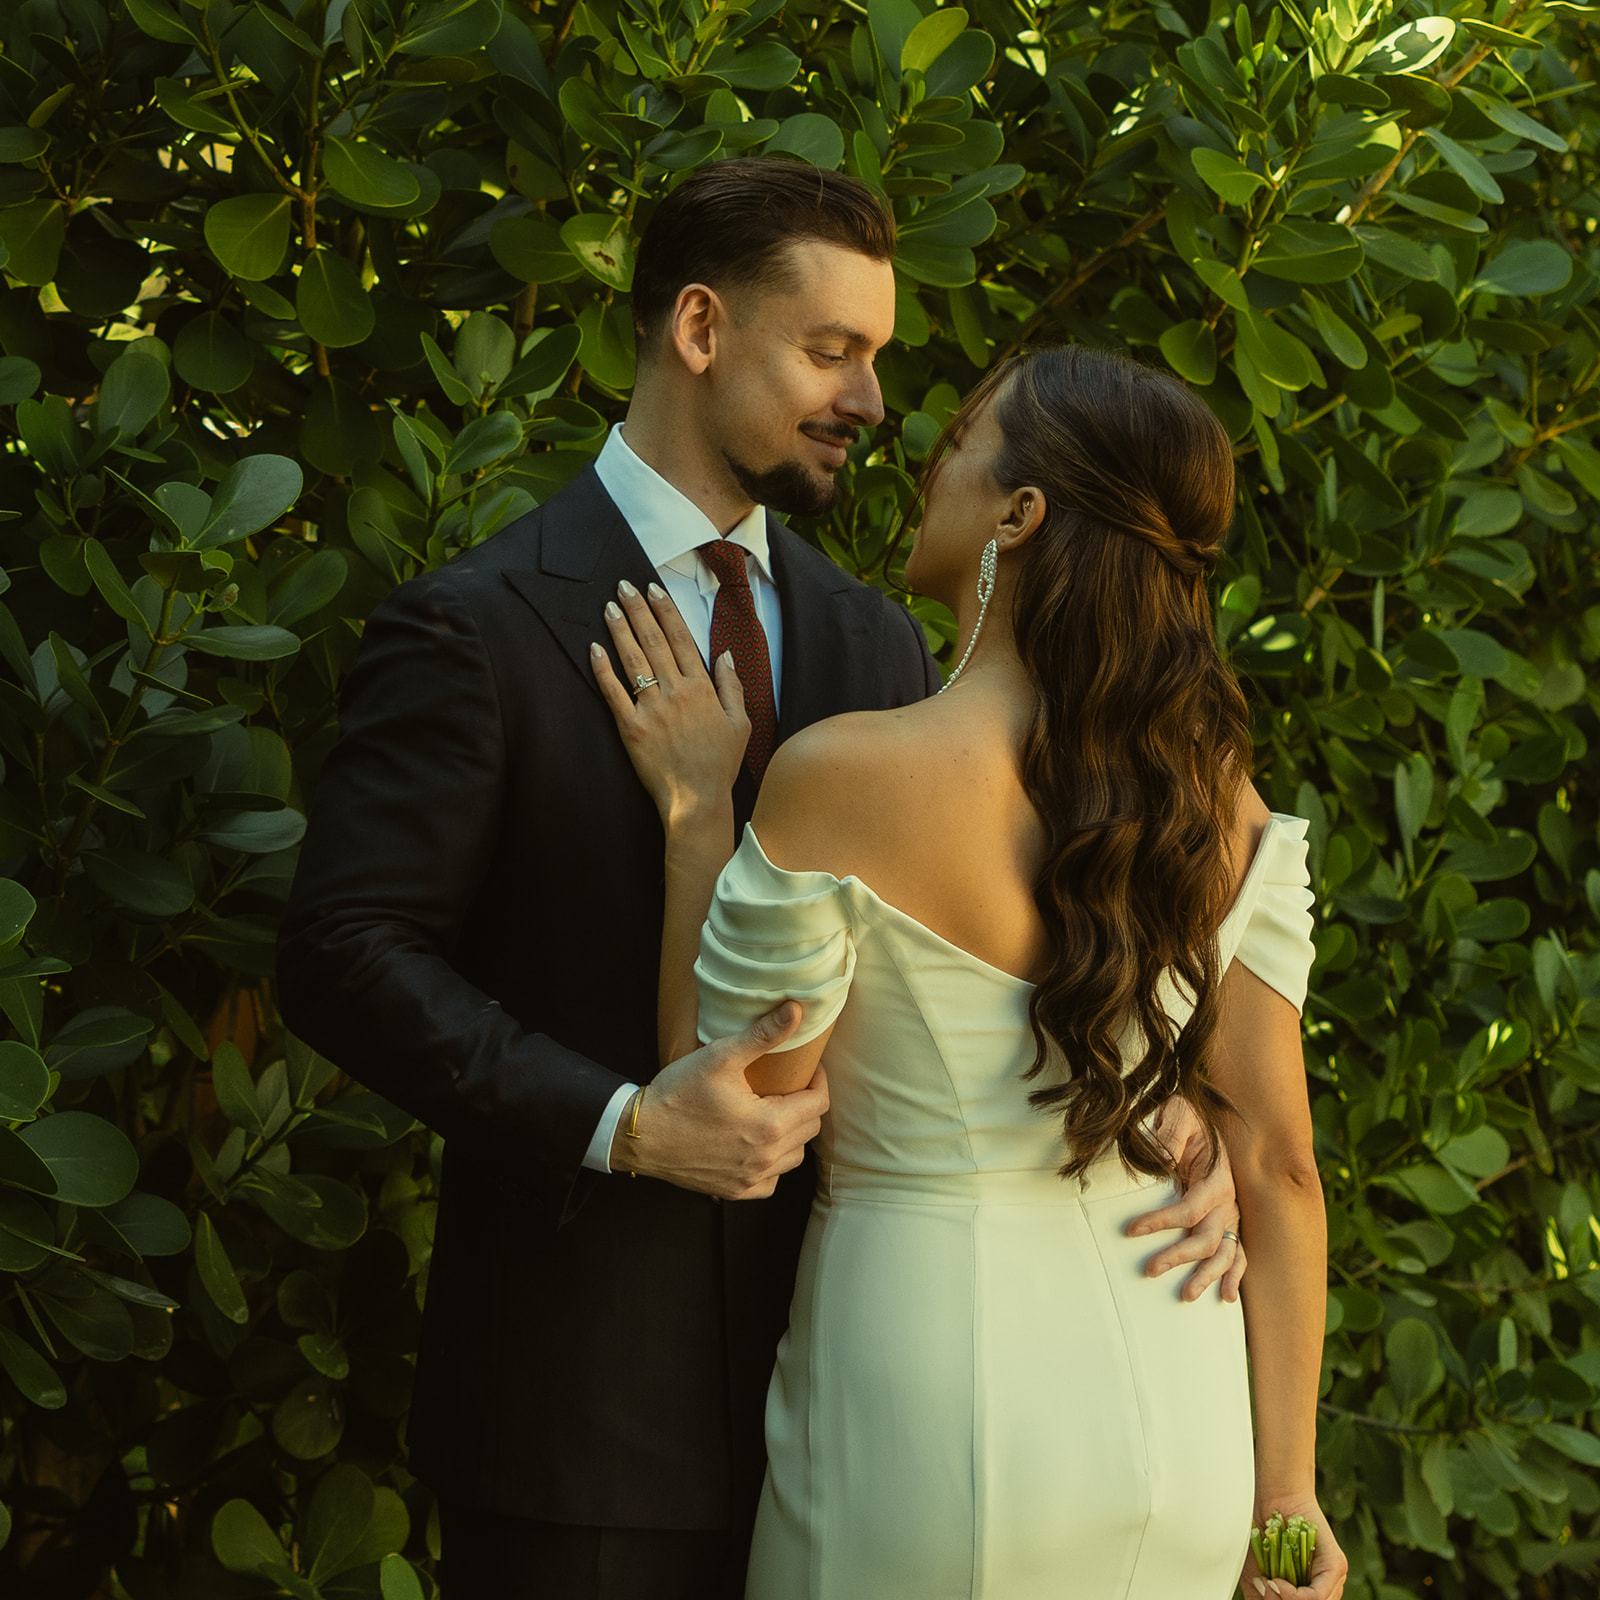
(598, 1156)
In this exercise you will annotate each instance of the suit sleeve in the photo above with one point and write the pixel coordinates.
(914, 674)
(407, 813)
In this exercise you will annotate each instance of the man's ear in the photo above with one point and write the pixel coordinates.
(1024, 515)
(693, 330)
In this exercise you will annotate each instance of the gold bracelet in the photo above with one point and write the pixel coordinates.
(632, 1130)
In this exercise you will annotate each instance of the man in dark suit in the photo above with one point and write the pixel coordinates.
(475, 926)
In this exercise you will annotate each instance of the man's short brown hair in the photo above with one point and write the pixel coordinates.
(728, 224)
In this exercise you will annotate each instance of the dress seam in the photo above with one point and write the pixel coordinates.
(1138, 1409)
(973, 1591)
(938, 1049)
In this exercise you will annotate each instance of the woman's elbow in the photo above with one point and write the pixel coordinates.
(1283, 1168)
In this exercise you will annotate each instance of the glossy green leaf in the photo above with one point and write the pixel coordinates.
(32, 235)
(216, 1271)
(134, 389)
(243, 1541)
(190, 111)
(309, 1420)
(931, 37)
(1308, 252)
(1229, 178)
(212, 354)
(22, 144)
(398, 1579)
(24, 1081)
(812, 137)
(1341, 90)
(360, 171)
(331, 303)
(90, 1159)
(337, 1520)
(543, 365)
(143, 883)
(607, 350)
(485, 351)
(602, 247)
(30, 1372)
(450, 28)
(249, 234)
(1517, 122)
(1191, 351)
(152, 1225)
(1412, 1350)
(1527, 267)
(17, 907)
(19, 378)
(1410, 48)
(1467, 166)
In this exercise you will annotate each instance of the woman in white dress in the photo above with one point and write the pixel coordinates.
(1018, 917)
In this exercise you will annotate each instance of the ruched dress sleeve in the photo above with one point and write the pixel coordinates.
(1269, 926)
(773, 935)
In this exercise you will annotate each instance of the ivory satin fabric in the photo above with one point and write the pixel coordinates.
(979, 1394)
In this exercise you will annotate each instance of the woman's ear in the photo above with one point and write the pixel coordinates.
(1024, 514)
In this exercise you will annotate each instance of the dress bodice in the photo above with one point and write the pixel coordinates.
(930, 1043)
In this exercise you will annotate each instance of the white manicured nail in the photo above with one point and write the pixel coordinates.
(613, 611)
(657, 592)
(597, 652)
(627, 590)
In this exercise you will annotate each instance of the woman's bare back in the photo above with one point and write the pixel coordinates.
(926, 805)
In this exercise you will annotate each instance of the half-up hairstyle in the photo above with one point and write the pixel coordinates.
(1140, 736)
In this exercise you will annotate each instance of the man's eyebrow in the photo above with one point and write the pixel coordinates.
(841, 330)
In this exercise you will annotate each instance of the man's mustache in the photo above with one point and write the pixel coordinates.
(833, 432)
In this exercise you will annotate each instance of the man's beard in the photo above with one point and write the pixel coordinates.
(791, 488)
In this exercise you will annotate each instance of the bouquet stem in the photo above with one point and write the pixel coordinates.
(1284, 1549)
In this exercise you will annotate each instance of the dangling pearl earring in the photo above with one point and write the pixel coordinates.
(986, 574)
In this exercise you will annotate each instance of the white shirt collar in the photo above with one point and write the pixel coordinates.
(667, 523)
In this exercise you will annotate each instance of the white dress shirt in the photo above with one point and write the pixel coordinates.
(670, 526)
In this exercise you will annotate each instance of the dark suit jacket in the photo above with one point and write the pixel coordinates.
(474, 932)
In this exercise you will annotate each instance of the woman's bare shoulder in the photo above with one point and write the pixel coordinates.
(829, 791)
(1250, 817)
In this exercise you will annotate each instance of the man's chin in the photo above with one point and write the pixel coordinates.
(791, 488)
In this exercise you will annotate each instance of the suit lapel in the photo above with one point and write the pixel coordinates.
(830, 626)
(830, 630)
(586, 548)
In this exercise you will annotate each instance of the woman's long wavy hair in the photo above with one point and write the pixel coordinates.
(1140, 736)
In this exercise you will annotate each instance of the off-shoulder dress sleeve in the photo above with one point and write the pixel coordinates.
(1269, 926)
(773, 935)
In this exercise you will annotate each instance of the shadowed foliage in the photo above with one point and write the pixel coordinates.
(302, 299)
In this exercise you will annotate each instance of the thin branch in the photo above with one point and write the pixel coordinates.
(1329, 1409)
(1369, 191)
(1084, 273)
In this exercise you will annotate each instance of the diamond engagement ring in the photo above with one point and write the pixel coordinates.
(641, 683)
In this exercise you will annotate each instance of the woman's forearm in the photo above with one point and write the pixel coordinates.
(1285, 1291)
(698, 848)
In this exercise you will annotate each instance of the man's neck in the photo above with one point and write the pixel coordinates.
(688, 463)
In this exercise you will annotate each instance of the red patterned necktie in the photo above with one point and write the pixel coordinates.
(736, 627)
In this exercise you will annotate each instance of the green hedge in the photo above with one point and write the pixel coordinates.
(303, 299)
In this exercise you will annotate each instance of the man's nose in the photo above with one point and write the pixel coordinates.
(862, 401)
